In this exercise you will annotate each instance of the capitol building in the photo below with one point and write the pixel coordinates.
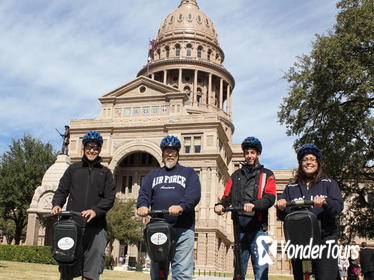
(184, 91)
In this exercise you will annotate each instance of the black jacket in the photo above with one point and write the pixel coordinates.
(255, 186)
(89, 185)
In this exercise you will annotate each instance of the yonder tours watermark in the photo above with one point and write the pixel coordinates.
(268, 246)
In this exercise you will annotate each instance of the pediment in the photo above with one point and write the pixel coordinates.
(140, 87)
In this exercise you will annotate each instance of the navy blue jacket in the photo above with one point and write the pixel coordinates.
(163, 187)
(325, 187)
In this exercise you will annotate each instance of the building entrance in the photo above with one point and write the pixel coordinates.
(131, 171)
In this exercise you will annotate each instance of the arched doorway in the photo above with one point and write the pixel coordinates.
(128, 175)
(130, 172)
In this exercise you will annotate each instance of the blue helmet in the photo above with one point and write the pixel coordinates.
(308, 149)
(92, 136)
(252, 142)
(170, 142)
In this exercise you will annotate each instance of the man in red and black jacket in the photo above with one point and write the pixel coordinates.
(253, 188)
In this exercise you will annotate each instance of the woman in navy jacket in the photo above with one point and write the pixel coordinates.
(311, 183)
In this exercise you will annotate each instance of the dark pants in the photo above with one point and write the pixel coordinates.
(94, 243)
(323, 268)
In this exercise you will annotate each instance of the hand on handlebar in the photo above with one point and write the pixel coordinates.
(89, 214)
(218, 209)
(143, 211)
(281, 204)
(175, 210)
(318, 201)
(248, 207)
(55, 210)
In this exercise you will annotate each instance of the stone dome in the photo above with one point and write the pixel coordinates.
(187, 20)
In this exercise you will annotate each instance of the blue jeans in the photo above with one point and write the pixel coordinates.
(182, 263)
(249, 249)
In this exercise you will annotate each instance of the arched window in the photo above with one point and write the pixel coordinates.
(167, 51)
(199, 51)
(209, 54)
(180, 17)
(177, 50)
(189, 17)
(189, 50)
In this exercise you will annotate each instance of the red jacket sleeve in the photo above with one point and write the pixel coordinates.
(226, 198)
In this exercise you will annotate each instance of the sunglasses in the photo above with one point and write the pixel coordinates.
(89, 147)
(170, 153)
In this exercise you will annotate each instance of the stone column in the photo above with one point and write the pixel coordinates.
(194, 94)
(32, 233)
(132, 251)
(153, 76)
(228, 103)
(229, 260)
(203, 202)
(202, 251)
(210, 89)
(165, 76)
(213, 194)
(211, 244)
(180, 79)
(220, 93)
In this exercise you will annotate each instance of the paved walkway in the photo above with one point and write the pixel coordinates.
(205, 277)
(202, 277)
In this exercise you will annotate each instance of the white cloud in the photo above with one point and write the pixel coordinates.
(58, 57)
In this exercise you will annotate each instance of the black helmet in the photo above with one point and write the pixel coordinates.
(252, 142)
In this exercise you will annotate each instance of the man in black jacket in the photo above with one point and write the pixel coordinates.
(253, 188)
(91, 191)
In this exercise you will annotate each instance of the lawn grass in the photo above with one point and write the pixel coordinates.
(33, 271)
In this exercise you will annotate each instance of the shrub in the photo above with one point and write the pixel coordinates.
(24, 253)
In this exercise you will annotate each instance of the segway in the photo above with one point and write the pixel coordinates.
(160, 241)
(300, 226)
(68, 233)
(238, 267)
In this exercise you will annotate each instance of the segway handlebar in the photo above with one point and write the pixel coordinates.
(158, 212)
(232, 209)
(301, 202)
(63, 214)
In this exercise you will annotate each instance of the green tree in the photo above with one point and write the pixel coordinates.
(8, 229)
(21, 172)
(330, 103)
(123, 224)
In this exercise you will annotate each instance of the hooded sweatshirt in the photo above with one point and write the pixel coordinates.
(164, 187)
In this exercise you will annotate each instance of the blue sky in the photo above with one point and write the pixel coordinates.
(58, 57)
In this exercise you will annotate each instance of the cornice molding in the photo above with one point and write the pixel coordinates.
(216, 67)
